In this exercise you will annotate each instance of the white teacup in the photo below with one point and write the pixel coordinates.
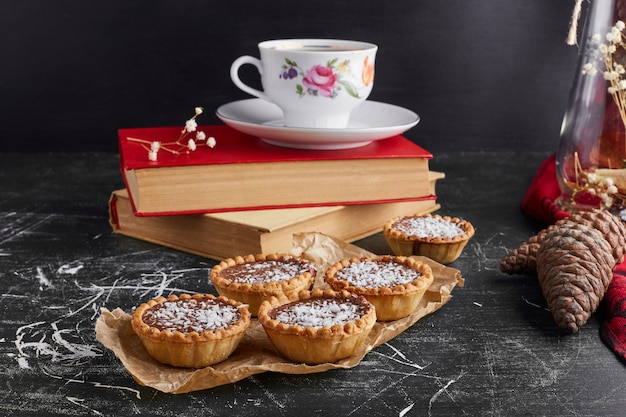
(315, 82)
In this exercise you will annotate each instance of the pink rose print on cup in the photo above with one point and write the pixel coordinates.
(321, 80)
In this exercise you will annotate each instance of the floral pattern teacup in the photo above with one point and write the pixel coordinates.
(315, 82)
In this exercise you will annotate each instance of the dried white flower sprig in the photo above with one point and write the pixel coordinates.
(612, 70)
(185, 142)
(605, 187)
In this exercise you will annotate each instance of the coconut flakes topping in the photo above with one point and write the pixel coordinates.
(376, 274)
(428, 227)
(266, 271)
(191, 315)
(320, 312)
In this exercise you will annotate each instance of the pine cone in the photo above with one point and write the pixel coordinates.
(575, 266)
(611, 227)
(523, 260)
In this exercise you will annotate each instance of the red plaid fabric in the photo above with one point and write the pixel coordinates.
(539, 200)
(613, 329)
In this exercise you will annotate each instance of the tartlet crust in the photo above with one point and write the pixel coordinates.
(193, 349)
(315, 345)
(392, 303)
(441, 249)
(254, 294)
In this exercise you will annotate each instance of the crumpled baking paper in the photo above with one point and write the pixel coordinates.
(255, 353)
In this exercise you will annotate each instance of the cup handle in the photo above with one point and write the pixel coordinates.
(234, 75)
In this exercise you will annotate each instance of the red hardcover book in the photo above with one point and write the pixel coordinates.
(242, 173)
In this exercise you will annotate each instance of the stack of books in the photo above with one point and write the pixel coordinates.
(246, 196)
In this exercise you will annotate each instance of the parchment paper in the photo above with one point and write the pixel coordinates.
(256, 353)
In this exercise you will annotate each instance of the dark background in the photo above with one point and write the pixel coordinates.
(72, 72)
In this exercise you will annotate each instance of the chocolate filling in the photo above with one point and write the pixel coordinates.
(191, 315)
(260, 272)
(321, 312)
(425, 227)
(376, 274)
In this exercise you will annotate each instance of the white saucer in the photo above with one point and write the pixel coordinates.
(369, 122)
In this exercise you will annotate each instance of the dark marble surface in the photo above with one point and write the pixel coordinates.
(493, 350)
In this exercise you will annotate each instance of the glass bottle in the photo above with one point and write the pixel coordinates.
(591, 158)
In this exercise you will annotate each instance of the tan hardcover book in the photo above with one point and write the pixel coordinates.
(243, 173)
(227, 234)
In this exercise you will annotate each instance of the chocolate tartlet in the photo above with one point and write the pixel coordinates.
(317, 326)
(192, 331)
(393, 284)
(253, 279)
(441, 238)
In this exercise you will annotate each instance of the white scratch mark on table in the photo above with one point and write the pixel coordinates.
(542, 375)
(404, 360)
(43, 280)
(406, 410)
(266, 392)
(388, 387)
(71, 268)
(484, 257)
(75, 353)
(94, 384)
(534, 304)
(5, 295)
(400, 358)
(442, 390)
(80, 402)
(490, 358)
(59, 341)
(15, 230)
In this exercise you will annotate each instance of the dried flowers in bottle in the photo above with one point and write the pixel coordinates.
(591, 159)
